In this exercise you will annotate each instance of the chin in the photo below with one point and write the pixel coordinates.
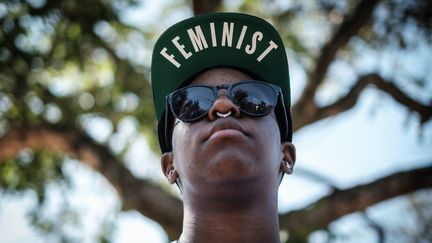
(232, 162)
(231, 173)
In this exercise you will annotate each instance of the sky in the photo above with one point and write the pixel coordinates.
(374, 139)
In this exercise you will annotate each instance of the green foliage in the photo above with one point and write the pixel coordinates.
(64, 63)
(36, 174)
(31, 170)
(58, 54)
(64, 59)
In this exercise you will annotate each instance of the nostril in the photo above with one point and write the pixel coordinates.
(223, 107)
(223, 115)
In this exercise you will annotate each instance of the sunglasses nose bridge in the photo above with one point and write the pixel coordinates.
(221, 90)
(221, 93)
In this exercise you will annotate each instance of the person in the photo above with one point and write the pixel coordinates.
(222, 99)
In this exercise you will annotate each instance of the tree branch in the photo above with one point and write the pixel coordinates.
(350, 99)
(145, 197)
(376, 227)
(153, 202)
(316, 177)
(321, 213)
(349, 27)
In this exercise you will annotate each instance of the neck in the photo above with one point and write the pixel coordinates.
(228, 222)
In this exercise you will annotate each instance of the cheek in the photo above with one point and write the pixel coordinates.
(270, 141)
(184, 145)
(180, 139)
(177, 135)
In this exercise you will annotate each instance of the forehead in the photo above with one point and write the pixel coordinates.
(216, 76)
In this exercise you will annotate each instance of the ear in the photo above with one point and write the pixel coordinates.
(167, 165)
(289, 153)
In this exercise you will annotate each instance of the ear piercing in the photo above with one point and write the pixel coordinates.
(287, 168)
(170, 174)
(223, 115)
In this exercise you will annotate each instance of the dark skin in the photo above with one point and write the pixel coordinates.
(229, 170)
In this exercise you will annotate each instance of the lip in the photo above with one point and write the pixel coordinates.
(227, 127)
(225, 133)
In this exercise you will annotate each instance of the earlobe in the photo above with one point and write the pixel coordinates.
(286, 167)
(289, 157)
(167, 165)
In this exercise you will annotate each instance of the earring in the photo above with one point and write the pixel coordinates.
(286, 167)
(171, 178)
(170, 174)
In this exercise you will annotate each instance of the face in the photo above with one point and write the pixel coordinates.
(216, 153)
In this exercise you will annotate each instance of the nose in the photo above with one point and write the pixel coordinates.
(223, 105)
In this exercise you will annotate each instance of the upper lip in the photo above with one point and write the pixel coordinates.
(226, 123)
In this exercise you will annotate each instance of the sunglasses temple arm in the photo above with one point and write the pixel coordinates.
(286, 116)
(167, 126)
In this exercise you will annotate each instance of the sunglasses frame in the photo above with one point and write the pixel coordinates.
(229, 87)
(283, 117)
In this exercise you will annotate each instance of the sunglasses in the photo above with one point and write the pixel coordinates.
(253, 98)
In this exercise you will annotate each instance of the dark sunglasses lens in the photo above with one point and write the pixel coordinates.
(191, 103)
(254, 98)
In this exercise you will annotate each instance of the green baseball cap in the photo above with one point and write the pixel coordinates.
(236, 40)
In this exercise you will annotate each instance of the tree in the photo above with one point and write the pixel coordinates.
(65, 64)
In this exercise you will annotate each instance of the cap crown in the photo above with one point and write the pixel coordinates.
(232, 40)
